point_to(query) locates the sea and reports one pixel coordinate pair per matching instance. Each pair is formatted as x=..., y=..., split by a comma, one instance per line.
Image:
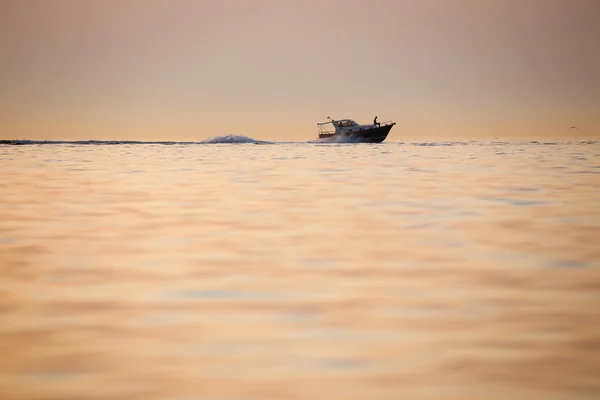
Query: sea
x=242, y=269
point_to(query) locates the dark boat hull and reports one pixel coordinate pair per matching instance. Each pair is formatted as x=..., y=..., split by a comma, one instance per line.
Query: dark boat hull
x=373, y=135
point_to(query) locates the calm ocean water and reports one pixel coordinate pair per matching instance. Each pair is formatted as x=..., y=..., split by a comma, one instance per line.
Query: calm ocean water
x=263, y=270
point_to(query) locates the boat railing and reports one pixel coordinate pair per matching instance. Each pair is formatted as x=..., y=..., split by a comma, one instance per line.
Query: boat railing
x=324, y=129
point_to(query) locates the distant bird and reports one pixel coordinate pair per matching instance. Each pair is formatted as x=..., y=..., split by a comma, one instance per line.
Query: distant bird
x=573, y=127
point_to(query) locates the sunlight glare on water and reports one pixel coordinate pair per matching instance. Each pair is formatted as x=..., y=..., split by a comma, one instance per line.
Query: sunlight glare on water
x=263, y=270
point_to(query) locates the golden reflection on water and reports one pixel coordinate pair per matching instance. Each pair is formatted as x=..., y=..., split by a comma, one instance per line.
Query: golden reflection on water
x=297, y=271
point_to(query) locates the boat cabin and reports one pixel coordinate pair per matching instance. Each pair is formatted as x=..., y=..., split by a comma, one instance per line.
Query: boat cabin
x=341, y=126
x=344, y=123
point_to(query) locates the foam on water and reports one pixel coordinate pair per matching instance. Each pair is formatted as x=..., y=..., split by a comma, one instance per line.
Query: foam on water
x=234, y=139
x=227, y=139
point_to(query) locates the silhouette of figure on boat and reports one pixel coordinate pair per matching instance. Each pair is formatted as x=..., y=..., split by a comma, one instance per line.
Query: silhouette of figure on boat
x=375, y=122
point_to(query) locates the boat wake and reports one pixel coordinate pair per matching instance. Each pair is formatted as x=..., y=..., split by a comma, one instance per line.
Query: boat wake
x=233, y=139
x=227, y=139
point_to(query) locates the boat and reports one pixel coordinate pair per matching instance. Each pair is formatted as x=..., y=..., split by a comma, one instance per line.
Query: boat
x=347, y=128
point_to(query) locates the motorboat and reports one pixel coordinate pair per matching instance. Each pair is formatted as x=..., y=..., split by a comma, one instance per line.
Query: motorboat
x=347, y=128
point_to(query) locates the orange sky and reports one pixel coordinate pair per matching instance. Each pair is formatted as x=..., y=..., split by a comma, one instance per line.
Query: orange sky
x=190, y=70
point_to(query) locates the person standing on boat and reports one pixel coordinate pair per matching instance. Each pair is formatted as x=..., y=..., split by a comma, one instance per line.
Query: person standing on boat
x=375, y=122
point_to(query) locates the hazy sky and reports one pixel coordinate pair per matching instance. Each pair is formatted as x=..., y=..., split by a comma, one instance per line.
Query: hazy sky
x=190, y=70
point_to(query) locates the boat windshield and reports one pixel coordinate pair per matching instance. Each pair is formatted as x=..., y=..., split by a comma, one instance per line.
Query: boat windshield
x=345, y=122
